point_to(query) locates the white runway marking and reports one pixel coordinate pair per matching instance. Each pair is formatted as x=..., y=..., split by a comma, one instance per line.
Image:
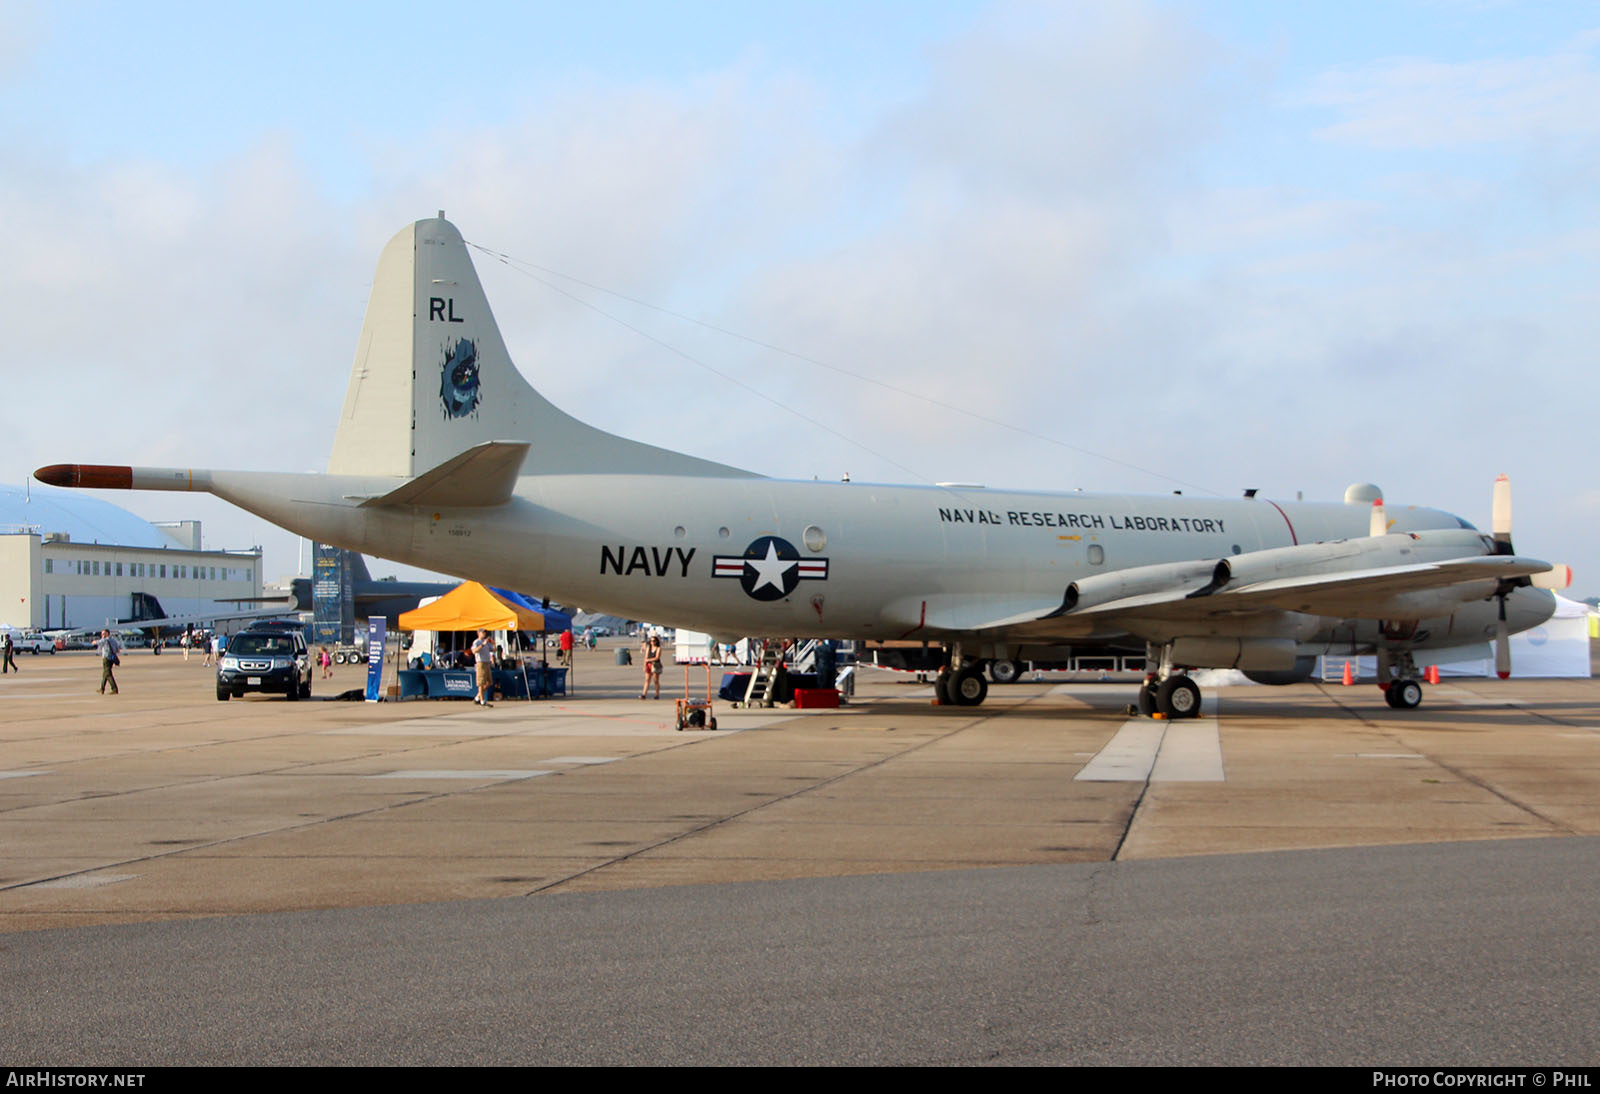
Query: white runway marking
x=496, y=776
x=1127, y=757
x=582, y=759
x=22, y=774
x=1191, y=752
x=83, y=881
x=1161, y=751
x=1451, y=694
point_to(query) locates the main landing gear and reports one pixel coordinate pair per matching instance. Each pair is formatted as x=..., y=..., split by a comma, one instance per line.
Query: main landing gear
x=1167, y=692
x=965, y=687
x=1175, y=697
x=962, y=686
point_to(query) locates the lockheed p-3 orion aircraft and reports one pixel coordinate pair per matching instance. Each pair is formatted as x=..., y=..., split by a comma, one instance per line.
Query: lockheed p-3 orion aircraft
x=446, y=458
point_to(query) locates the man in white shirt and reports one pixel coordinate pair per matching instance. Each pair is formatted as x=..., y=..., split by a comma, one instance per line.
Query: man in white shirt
x=483, y=655
x=110, y=656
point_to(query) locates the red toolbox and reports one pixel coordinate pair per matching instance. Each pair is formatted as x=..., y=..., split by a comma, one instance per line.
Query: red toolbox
x=815, y=698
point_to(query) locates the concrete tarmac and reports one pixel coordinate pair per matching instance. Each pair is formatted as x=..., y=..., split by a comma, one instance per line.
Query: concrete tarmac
x=163, y=804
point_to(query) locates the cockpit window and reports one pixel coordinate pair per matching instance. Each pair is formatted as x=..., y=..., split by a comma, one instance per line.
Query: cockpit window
x=1467, y=524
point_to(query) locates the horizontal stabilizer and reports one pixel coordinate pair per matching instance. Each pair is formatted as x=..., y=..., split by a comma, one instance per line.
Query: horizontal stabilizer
x=482, y=476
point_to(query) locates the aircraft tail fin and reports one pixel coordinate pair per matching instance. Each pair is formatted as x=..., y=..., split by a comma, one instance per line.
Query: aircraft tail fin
x=432, y=378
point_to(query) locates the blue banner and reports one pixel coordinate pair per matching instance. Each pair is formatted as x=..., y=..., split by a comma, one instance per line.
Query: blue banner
x=376, y=633
x=332, y=605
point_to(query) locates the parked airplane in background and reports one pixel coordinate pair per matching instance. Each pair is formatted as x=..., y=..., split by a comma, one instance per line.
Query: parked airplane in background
x=387, y=598
x=446, y=458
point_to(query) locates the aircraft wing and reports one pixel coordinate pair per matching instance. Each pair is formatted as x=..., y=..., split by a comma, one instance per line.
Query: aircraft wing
x=273, y=607
x=1404, y=576
x=1360, y=594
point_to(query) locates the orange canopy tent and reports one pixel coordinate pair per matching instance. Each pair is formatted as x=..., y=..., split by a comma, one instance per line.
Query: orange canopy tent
x=470, y=607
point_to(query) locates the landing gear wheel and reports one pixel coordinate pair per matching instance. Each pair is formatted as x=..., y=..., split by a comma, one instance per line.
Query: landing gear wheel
x=1147, y=700
x=941, y=689
x=1178, y=697
x=1403, y=695
x=969, y=688
x=1005, y=672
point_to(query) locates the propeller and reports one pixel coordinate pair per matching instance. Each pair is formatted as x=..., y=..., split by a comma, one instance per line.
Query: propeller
x=1500, y=521
x=1557, y=577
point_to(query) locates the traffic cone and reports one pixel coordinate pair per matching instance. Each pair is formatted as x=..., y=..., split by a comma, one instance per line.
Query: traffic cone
x=1433, y=674
x=1349, y=675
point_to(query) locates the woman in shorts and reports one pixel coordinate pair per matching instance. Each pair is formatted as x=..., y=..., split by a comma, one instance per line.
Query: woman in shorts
x=652, y=664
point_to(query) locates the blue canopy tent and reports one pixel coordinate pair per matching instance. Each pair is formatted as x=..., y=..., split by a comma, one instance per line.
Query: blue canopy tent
x=555, y=620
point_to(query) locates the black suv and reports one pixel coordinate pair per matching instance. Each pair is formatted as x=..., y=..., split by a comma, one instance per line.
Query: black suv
x=265, y=660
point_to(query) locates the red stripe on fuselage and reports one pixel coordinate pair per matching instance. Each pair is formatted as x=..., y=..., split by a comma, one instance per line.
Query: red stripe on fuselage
x=1294, y=538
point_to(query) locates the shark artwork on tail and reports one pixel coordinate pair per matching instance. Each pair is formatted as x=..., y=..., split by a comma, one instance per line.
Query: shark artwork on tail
x=446, y=458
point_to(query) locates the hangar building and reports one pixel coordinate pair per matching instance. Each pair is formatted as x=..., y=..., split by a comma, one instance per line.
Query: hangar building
x=68, y=560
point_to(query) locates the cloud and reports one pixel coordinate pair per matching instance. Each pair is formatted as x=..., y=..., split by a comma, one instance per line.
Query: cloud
x=1416, y=102
x=20, y=28
x=1095, y=222
x=1047, y=102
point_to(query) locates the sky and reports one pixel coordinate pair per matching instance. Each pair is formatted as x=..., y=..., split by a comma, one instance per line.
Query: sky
x=1132, y=247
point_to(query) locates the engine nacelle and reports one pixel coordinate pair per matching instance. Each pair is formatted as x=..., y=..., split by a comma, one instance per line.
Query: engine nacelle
x=1088, y=592
x=1345, y=556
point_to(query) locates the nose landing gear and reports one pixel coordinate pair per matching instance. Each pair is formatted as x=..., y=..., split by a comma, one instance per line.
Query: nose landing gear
x=1397, y=676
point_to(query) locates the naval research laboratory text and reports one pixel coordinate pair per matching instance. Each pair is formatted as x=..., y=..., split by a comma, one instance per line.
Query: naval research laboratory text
x=1123, y=523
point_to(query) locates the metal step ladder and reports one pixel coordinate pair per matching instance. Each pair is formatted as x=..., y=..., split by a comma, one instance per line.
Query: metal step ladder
x=803, y=656
x=1330, y=668
x=765, y=677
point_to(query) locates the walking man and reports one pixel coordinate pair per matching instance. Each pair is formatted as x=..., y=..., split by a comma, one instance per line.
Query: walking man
x=10, y=663
x=110, y=657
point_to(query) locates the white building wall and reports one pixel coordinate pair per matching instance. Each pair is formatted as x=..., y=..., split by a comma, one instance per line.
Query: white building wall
x=87, y=584
x=21, y=585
